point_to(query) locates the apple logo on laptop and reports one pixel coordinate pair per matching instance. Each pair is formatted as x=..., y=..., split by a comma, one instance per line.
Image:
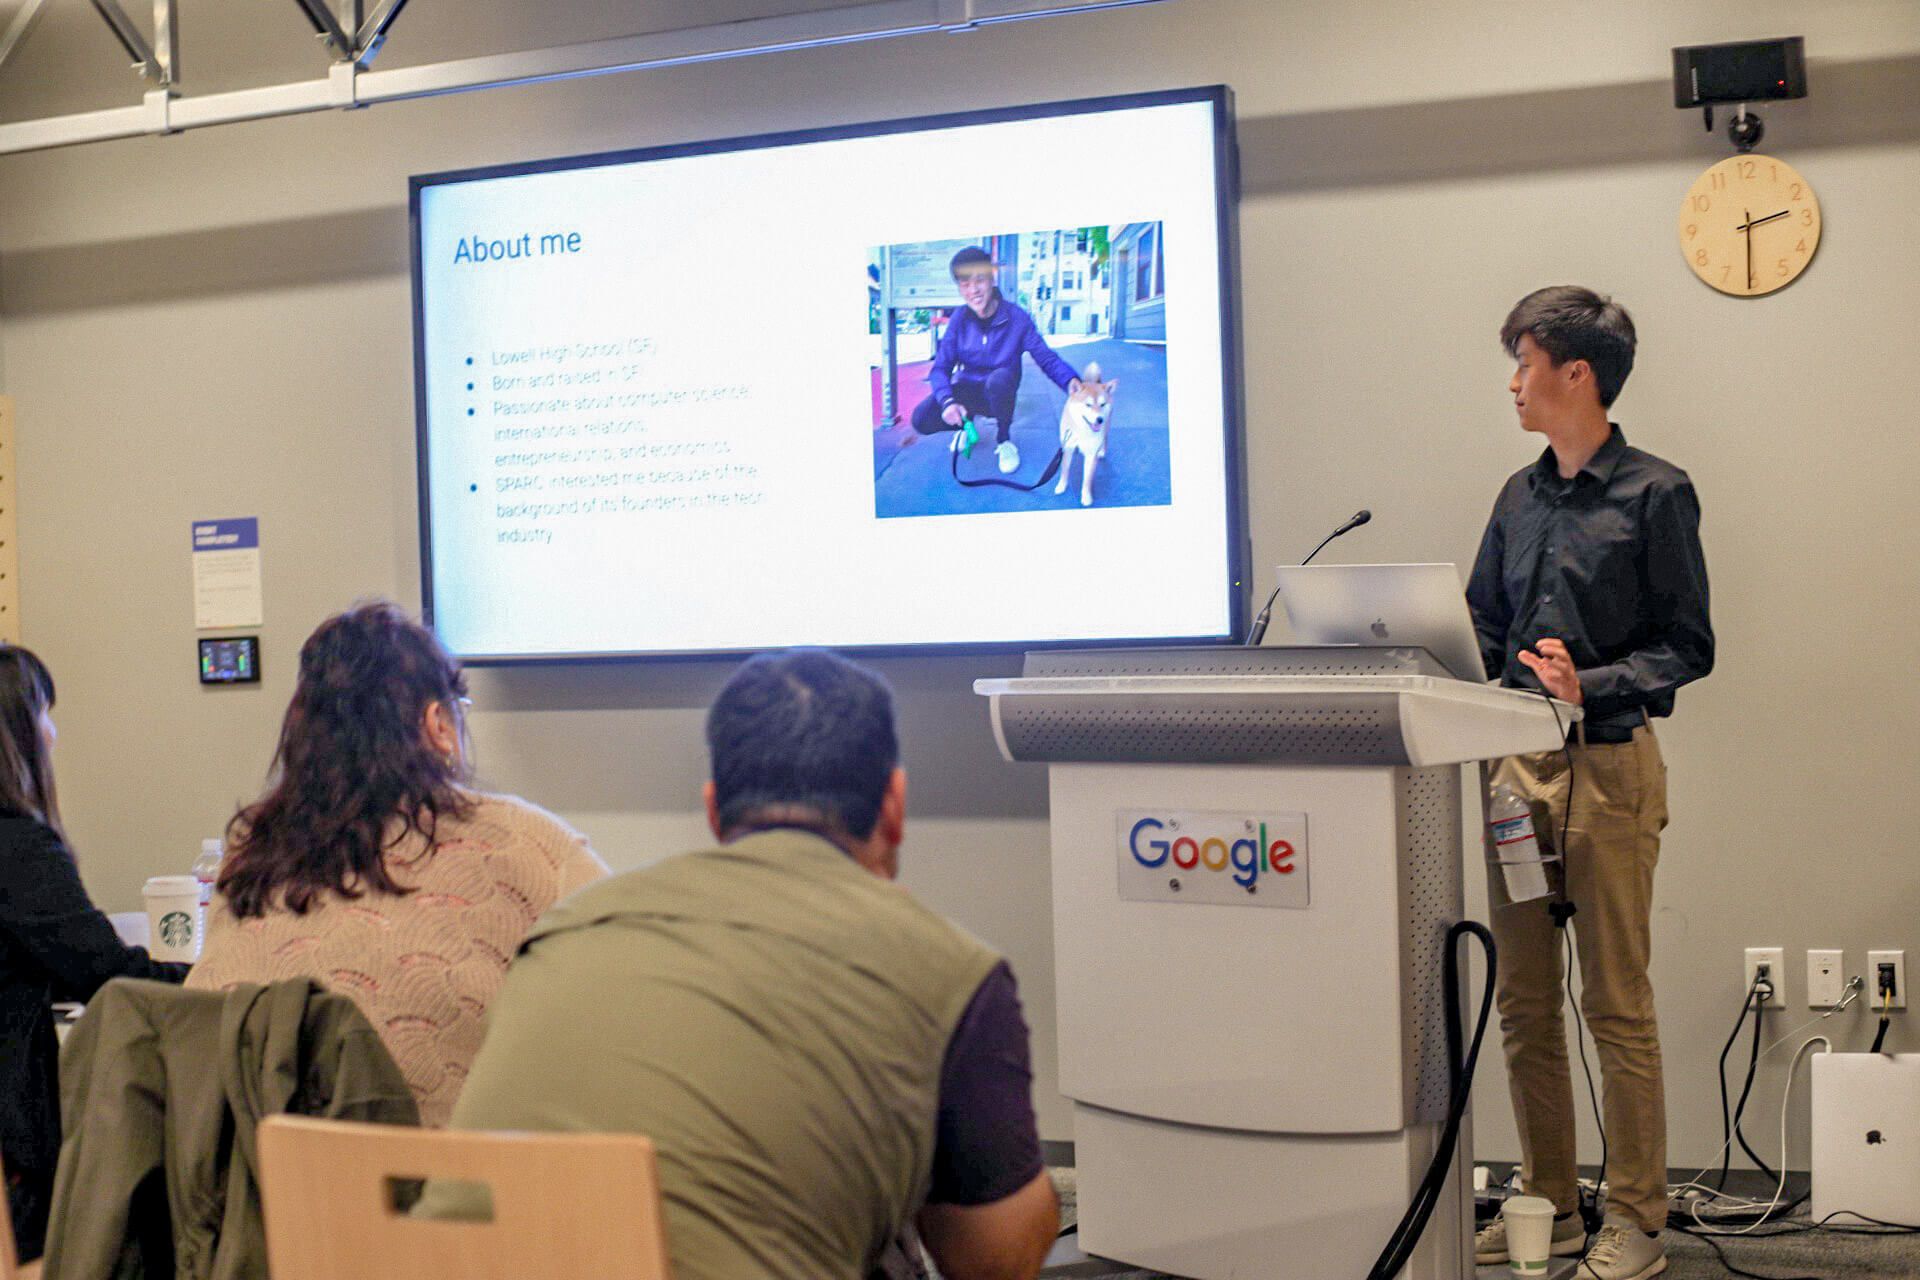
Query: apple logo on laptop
x=1380, y=628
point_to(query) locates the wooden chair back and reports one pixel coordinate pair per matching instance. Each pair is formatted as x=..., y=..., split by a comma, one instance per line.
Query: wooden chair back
x=565, y=1205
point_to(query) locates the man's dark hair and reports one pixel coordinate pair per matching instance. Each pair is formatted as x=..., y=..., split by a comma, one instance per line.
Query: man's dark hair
x=1571, y=323
x=802, y=738
x=971, y=256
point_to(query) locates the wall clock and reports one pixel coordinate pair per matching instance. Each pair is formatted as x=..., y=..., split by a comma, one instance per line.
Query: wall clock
x=1749, y=225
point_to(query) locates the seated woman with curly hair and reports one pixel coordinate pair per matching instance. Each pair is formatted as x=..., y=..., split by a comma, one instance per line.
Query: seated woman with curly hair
x=372, y=866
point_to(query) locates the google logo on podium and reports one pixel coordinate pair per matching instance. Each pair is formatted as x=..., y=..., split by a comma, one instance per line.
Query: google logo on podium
x=1224, y=858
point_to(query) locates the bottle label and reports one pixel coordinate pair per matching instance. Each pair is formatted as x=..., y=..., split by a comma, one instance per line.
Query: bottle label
x=1512, y=830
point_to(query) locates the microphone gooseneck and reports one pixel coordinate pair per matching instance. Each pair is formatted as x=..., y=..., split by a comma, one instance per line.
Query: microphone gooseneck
x=1258, y=631
x=1353, y=522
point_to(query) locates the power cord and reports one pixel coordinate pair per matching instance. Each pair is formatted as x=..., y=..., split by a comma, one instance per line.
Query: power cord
x=1701, y=1231
x=1777, y=1204
x=1762, y=992
x=1852, y=992
x=1726, y=1262
x=1726, y=1124
x=1880, y=1228
x=1590, y=1209
x=1406, y=1235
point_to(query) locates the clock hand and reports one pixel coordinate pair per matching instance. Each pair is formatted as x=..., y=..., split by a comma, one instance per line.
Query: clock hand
x=1757, y=222
x=1747, y=227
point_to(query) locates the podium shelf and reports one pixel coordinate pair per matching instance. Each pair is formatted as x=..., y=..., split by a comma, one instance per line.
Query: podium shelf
x=1368, y=719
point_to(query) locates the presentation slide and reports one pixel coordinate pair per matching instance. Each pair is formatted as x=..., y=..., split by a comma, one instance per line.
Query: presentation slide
x=959, y=381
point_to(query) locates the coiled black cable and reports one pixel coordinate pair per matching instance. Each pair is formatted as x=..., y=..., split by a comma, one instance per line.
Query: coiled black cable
x=1406, y=1235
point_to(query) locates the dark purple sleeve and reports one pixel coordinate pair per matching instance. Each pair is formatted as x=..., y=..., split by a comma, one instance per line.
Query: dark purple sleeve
x=1050, y=363
x=987, y=1146
x=946, y=354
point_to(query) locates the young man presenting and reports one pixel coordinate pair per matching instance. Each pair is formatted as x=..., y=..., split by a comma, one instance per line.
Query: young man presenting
x=976, y=367
x=1591, y=585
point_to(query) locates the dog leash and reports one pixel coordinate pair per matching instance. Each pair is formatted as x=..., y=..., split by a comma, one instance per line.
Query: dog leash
x=972, y=437
x=1053, y=469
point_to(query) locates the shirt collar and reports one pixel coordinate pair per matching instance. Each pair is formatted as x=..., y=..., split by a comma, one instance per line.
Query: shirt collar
x=991, y=322
x=1600, y=467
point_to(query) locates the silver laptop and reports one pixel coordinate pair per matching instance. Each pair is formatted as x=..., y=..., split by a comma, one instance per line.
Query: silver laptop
x=1866, y=1132
x=1400, y=606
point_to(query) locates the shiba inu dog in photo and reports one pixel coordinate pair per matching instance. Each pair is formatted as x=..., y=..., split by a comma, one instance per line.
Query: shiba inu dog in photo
x=1084, y=423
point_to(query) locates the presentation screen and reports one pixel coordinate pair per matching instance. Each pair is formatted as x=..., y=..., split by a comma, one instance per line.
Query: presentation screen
x=954, y=381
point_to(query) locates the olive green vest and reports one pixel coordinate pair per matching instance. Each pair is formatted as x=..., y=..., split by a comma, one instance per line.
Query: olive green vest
x=773, y=1016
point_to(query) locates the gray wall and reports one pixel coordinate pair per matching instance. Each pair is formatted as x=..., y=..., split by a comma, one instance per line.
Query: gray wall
x=218, y=324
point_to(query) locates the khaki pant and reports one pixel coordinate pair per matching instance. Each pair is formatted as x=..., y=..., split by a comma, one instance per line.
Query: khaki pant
x=1613, y=843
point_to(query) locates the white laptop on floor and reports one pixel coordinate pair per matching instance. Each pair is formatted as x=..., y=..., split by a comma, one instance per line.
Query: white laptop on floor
x=1866, y=1137
x=1399, y=606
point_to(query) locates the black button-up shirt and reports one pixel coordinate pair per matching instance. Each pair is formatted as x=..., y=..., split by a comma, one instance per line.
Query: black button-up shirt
x=1609, y=563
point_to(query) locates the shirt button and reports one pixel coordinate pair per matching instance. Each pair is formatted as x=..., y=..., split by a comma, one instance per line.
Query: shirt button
x=1546, y=599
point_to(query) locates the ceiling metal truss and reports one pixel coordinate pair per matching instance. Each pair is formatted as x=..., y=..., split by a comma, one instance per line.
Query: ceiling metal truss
x=352, y=39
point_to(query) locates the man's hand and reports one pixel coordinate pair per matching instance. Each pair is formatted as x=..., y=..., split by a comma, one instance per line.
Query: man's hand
x=1554, y=666
x=953, y=415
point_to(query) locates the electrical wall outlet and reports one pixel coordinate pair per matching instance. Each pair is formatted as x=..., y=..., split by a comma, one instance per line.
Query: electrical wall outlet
x=1774, y=961
x=1894, y=964
x=1826, y=980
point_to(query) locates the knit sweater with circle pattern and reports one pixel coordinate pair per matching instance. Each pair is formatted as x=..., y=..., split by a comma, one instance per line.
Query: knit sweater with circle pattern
x=422, y=966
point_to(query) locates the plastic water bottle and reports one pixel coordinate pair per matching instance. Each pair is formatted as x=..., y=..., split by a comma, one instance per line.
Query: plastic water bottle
x=206, y=870
x=1516, y=847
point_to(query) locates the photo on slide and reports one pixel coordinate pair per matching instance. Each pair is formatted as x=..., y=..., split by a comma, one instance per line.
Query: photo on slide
x=992, y=356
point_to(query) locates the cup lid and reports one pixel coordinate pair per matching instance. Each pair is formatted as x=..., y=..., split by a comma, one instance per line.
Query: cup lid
x=1527, y=1206
x=158, y=885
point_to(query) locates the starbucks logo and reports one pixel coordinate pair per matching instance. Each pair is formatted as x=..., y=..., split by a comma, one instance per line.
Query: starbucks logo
x=176, y=929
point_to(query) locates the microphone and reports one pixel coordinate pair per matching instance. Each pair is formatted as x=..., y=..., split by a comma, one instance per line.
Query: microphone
x=1258, y=632
x=1353, y=522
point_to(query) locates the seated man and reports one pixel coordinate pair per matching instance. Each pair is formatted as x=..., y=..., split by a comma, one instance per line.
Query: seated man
x=976, y=367
x=816, y=1056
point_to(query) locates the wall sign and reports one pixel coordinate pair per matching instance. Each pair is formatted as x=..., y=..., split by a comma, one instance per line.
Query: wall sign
x=226, y=573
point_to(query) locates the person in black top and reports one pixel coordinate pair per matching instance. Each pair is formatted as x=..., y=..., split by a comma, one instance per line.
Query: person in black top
x=1590, y=585
x=54, y=944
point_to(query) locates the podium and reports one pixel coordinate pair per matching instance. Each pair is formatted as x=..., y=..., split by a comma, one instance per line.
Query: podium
x=1256, y=856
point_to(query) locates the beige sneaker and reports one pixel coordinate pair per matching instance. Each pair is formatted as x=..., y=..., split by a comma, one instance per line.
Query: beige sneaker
x=1622, y=1251
x=1490, y=1242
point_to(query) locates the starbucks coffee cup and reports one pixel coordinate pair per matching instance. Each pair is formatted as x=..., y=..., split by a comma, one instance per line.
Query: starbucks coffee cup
x=1529, y=1222
x=173, y=918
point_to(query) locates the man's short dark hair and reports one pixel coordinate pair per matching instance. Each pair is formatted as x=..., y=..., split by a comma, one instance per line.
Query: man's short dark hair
x=1571, y=323
x=971, y=256
x=802, y=735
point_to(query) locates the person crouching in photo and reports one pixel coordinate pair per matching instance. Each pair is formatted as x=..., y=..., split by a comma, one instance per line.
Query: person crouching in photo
x=976, y=368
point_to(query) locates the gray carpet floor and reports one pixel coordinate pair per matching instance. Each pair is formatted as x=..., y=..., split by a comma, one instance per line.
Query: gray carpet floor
x=1803, y=1255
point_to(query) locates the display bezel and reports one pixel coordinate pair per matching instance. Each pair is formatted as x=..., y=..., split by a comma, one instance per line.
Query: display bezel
x=1226, y=169
x=202, y=644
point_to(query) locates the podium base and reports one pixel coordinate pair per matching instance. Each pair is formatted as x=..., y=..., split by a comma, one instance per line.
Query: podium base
x=1222, y=1204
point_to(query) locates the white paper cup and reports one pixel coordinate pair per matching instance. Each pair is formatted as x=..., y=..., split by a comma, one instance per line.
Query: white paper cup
x=173, y=918
x=1529, y=1222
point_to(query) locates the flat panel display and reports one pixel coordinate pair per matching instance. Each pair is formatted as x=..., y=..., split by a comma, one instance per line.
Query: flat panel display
x=945, y=382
